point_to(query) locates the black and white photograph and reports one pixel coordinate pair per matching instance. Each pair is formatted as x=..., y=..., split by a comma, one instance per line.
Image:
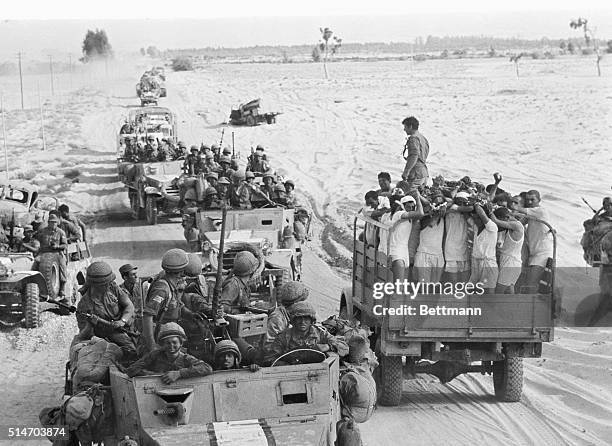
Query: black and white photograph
x=324, y=223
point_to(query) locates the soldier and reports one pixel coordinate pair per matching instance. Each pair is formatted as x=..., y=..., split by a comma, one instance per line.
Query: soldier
x=223, y=190
x=132, y=286
x=211, y=200
x=225, y=169
x=257, y=163
x=212, y=178
x=163, y=303
x=73, y=233
x=245, y=191
x=236, y=293
x=216, y=151
x=64, y=211
x=150, y=149
x=279, y=195
x=169, y=360
x=236, y=180
x=126, y=128
x=28, y=243
x=53, y=241
x=228, y=357
x=196, y=298
x=181, y=150
x=268, y=185
x=290, y=194
x=193, y=162
x=303, y=333
x=104, y=299
x=287, y=295
x=209, y=163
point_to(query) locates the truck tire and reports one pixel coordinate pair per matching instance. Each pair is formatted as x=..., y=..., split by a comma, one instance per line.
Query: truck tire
x=151, y=210
x=49, y=268
x=392, y=379
x=31, y=300
x=508, y=379
x=250, y=120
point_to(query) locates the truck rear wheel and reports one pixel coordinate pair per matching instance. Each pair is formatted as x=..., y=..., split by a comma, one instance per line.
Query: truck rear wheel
x=151, y=210
x=31, y=300
x=508, y=379
x=392, y=379
x=250, y=120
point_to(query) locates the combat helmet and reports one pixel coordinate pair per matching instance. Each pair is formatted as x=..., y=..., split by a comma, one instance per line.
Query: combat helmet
x=225, y=346
x=175, y=260
x=194, y=267
x=292, y=292
x=171, y=329
x=303, y=309
x=245, y=264
x=100, y=273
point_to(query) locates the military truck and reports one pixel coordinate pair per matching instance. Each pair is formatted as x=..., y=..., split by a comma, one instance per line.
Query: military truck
x=484, y=333
x=21, y=204
x=152, y=186
x=262, y=229
x=286, y=405
x=248, y=114
x=24, y=292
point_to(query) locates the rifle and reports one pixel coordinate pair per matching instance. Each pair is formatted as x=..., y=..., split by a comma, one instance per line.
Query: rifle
x=588, y=204
x=221, y=140
x=219, y=320
x=95, y=320
x=11, y=236
x=233, y=148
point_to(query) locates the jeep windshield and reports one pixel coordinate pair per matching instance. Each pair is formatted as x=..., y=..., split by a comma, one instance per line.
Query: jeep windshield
x=11, y=194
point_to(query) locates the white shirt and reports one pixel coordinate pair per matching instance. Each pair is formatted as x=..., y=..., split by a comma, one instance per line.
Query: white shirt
x=455, y=247
x=539, y=238
x=485, y=243
x=399, y=235
x=431, y=239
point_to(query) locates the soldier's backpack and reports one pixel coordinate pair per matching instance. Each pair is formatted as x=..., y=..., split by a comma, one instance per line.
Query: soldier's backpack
x=357, y=390
x=91, y=360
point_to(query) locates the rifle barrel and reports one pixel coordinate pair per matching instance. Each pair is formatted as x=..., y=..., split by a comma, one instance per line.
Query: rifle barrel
x=219, y=278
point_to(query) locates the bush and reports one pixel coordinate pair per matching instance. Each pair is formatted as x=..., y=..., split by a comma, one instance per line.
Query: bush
x=587, y=51
x=182, y=64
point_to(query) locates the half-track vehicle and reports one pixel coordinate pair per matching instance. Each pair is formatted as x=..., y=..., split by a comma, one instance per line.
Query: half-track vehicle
x=24, y=292
x=20, y=204
x=485, y=333
x=152, y=186
x=248, y=114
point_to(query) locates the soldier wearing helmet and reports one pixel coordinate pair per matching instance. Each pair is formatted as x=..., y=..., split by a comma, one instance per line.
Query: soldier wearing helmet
x=257, y=161
x=228, y=357
x=193, y=162
x=303, y=333
x=278, y=195
x=28, y=243
x=287, y=295
x=223, y=190
x=236, y=293
x=110, y=306
x=132, y=286
x=290, y=194
x=216, y=151
x=225, y=169
x=163, y=303
x=210, y=164
x=212, y=178
x=53, y=242
x=245, y=191
x=170, y=361
x=267, y=188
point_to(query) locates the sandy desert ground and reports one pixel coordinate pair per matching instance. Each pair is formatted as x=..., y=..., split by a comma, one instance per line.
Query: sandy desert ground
x=548, y=130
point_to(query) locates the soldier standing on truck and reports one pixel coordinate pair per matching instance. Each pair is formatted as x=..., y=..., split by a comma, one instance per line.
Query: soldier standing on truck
x=236, y=293
x=53, y=241
x=64, y=211
x=163, y=303
x=73, y=233
x=417, y=146
x=257, y=162
x=132, y=286
x=193, y=162
x=104, y=300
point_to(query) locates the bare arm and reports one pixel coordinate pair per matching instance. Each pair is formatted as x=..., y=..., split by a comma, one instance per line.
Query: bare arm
x=481, y=213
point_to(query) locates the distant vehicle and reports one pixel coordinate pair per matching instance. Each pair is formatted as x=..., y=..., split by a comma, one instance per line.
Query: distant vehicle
x=24, y=292
x=159, y=122
x=20, y=204
x=248, y=114
x=510, y=327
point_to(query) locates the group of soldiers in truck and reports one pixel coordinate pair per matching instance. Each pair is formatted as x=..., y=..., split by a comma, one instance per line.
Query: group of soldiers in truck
x=212, y=179
x=160, y=331
x=463, y=230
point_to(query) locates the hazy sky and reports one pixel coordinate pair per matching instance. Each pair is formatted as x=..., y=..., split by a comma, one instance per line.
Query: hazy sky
x=170, y=24
x=163, y=9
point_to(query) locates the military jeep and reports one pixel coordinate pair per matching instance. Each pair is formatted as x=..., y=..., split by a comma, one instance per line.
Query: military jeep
x=25, y=291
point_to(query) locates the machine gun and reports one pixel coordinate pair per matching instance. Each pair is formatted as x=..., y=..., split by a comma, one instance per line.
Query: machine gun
x=65, y=309
x=217, y=314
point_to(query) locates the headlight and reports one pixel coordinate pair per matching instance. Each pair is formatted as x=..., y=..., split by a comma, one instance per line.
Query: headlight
x=206, y=246
x=266, y=247
x=4, y=271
